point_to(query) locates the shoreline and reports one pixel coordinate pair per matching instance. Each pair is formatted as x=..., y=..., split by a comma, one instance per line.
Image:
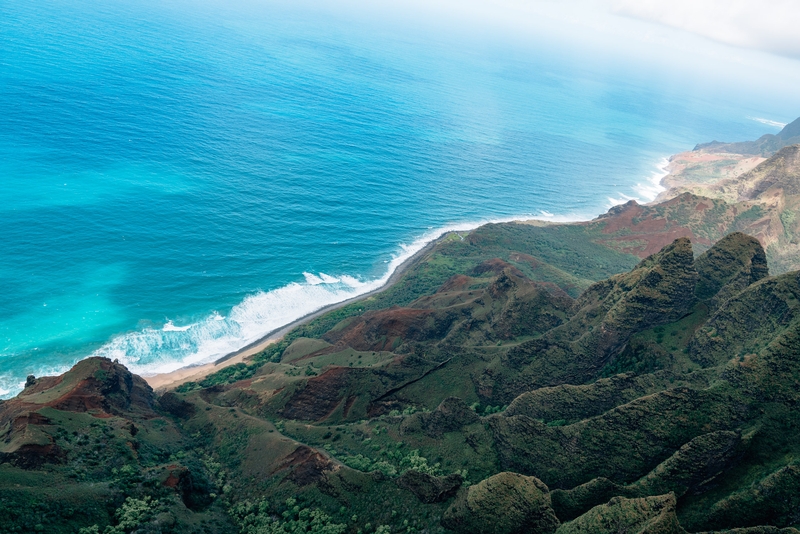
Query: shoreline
x=698, y=171
x=193, y=372
x=172, y=379
x=161, y=382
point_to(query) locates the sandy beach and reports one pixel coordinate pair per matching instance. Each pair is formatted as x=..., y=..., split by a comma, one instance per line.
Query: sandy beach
x=695, y=171
x=711, y=167
x=166, y=381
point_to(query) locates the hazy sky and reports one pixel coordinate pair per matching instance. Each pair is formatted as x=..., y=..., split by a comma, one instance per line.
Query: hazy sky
x=726, y=43
x=767, y=25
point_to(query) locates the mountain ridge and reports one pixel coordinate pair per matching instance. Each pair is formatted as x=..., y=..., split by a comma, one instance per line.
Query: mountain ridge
x=765, y=145
x=634, y=373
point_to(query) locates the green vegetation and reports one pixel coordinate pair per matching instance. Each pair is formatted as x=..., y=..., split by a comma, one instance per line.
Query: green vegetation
x=574, y=383
x=395, y=463
x=256, y=518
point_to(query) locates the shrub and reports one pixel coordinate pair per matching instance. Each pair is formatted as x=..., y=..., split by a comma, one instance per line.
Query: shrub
x=254, y=518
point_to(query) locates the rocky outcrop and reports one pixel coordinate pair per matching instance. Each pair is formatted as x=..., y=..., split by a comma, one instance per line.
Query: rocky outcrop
x=452, y=414
x=96, y=386
x=648, y=515
x=747, y=322
x=428, y=488
x=571, y=403
x=569, y=504
x=659, y=290
x=621, y=444
x=692, y=467
x=727, y=268
x=506, y=503
x=774, y=500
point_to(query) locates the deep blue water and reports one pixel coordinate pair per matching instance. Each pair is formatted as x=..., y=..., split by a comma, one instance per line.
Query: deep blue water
x=167, y=165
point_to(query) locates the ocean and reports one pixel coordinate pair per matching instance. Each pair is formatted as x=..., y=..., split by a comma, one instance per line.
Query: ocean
x=177, y=180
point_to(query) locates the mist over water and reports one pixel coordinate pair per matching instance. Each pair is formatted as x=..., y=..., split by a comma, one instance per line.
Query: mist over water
x=176, y=181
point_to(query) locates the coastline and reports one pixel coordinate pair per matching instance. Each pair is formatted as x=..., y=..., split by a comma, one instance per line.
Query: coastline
x=692, y=170
x=699, y=171
x=169, y=380
x=672, y=182
x=172, y=379
x=193, y=372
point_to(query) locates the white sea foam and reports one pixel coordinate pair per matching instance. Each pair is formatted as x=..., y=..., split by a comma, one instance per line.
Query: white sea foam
x=170, y=347
x=652, y=187
x=152, y=351
x=161, y=350
x=623, y=198
x=768, y=122
x=10, y=385
x=646, y=191
x=170, y=327
x=312, y=279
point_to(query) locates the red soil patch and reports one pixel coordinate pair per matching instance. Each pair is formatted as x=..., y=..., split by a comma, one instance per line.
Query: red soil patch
x=653, y=242
x=530, y=260
x=42, y=384
x=496, y=266
x=379, y=331
x=320, y=396
x=455, y=283
x=306, y=466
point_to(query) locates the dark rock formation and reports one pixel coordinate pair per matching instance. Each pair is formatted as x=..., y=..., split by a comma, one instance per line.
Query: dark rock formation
x=648, y=515
x=659, y=290
x=430, y=489
x=174, y=405
x=452, y=414
x=727, y=268
x=692, y=466
x=506, y=503
x=748, y=321
x=95, y=385
x=774, y=500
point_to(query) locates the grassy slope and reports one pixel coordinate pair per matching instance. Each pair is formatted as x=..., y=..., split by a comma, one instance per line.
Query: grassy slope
x=678, y=396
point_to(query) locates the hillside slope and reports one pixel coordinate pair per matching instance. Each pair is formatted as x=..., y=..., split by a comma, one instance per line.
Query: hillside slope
x=635, y=373
x=662, y=397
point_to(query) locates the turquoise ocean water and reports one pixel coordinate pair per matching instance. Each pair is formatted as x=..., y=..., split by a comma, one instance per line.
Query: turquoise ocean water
x=177, y=180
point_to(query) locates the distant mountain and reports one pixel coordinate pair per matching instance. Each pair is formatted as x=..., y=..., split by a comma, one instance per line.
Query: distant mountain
x=763, y=202
x=766, y=145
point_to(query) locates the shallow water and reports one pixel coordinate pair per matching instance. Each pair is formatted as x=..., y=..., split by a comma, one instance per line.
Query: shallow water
x=175, y=182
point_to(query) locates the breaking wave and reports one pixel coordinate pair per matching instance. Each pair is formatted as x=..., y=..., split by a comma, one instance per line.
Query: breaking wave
x=170, y=347
x=648, y=190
